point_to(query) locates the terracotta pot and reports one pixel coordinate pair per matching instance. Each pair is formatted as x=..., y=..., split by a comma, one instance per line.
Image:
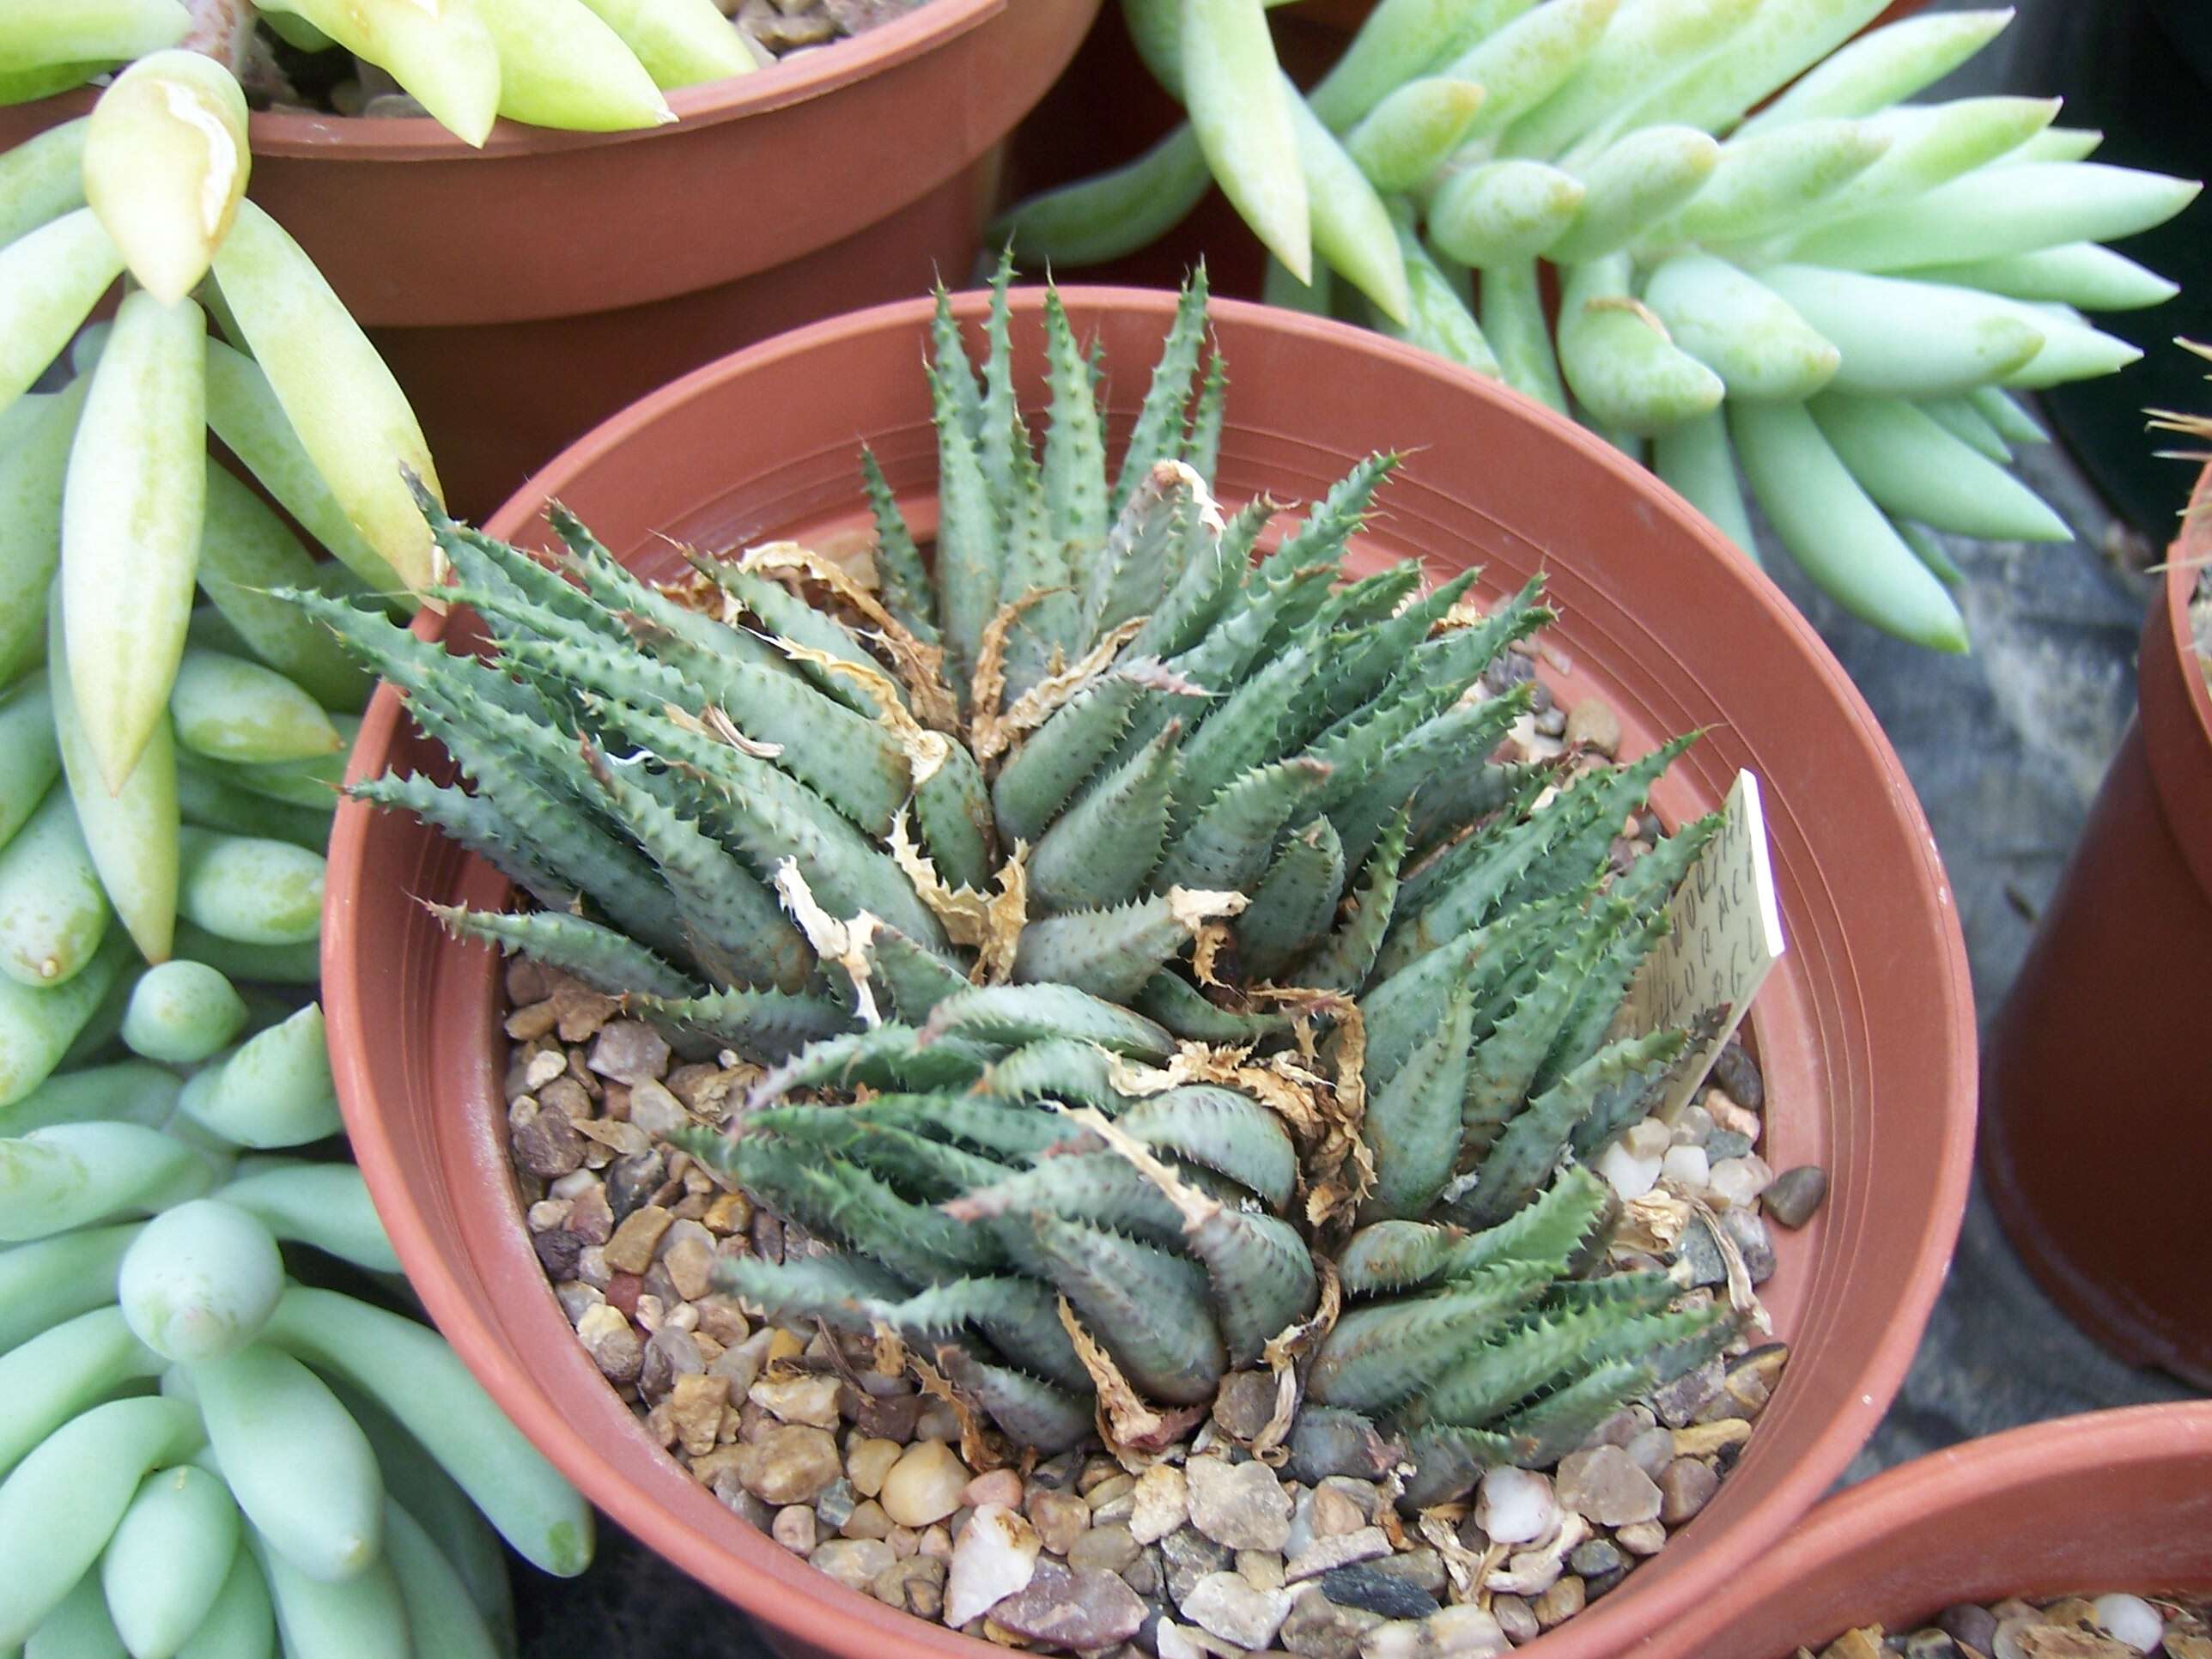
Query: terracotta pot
x=1107, y=110
x=1865, y=1030
x=524, y=291
x=2110, y=1501
x=2098, y=1142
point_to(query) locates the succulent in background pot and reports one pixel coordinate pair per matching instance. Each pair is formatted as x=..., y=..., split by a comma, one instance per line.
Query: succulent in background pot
x=524, y=289
x=857, y=377
x=2118, y=1501
x=2104, y=1011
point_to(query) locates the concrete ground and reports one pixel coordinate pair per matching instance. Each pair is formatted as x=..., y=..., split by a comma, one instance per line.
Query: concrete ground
x=2006, y=747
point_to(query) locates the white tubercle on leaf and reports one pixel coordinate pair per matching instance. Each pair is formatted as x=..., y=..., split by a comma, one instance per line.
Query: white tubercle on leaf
x=166, y=165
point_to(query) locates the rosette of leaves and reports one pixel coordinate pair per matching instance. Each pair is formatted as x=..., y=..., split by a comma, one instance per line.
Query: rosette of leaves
x=1155, y=978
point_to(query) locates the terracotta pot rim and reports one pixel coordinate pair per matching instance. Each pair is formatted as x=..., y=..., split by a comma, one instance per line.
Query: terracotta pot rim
x=2013, y=1467
x=419, y=138
x=842, y=1621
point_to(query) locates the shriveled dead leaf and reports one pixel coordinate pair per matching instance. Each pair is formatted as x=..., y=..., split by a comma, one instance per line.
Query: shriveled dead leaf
x=845, y=942
x=995, y=734
x=989, y=924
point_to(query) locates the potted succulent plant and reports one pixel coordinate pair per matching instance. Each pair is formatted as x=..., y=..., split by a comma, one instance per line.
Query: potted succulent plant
x=438, y=1053
x=1834, y=290
x=524, y=281
x=2101, y=1227
x=2111, y=1511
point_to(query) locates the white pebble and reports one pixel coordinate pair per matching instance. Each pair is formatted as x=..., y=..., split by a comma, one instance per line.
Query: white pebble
x=1515, y=1506
x=1738, y=1181
x=1691, y=1127
x=1629, y=1175
x=996, y=1556
x=2131, y=1619
x=1685, y=1167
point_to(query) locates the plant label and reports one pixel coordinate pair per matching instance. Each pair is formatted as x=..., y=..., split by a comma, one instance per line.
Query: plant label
x=1726, y=937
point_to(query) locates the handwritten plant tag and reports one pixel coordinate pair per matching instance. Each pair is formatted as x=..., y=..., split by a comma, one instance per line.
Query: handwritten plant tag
x=1726, y=937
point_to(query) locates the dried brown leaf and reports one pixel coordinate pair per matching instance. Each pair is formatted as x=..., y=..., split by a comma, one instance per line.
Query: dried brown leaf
x=995, y=734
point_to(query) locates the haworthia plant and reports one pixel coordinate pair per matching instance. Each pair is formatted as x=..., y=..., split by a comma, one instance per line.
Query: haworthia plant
x=1185, y=940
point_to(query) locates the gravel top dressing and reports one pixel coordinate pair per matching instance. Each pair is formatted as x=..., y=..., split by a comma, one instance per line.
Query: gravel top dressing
x=2116, y=1626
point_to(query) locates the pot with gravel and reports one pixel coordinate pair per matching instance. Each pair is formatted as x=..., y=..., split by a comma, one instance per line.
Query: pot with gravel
x=525, y=282
x=2089, y=1536
x=1134, y=1287
x=2105, y=1006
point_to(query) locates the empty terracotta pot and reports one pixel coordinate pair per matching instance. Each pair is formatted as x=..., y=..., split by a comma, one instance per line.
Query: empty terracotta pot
x=2097, y=1137
x=2109, y=1501
x=1865, y=1030
x=526, y=291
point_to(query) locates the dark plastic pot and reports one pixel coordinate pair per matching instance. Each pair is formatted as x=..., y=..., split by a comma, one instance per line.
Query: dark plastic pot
x=2097, y=1125
x=1865, y=1030
x=2110, y=1501
x=527, y=290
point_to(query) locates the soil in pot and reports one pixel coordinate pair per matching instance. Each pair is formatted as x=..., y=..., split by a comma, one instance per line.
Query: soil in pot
x=1212, y=1112
x=809, y=489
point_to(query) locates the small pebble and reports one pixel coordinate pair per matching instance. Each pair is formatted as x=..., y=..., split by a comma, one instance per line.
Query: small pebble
x=630, y=1051
x=1109, y=1548
x=1792, y=1197
x=925, y=1485
x=1001, y=1486
x=1241, y=1505
x=1685, y=1167
x=1686, y=1486
x=1727, y=1142
x=1515, y=1506
x=853, y=1562
x=1559, y=1603
x=1162, y=1504
x=1629, y=1175
x=1737, y=1180
x=1515, y=1617
x=1736, y=1071
x=1592, y=722
x=1335, y=1512
x=1225, y=1604
x=1753, y=1243
x=792, y=1464
x=1969, y=1625
x=1245, y=1403
x=794, y=1528
x=1317, y=1628
x=995, y=1556
x=1643, y=1537
x=810, y=1399
x=868, y=1459
x=2131, y=1619
x=1058, y=1518
x=1339, y=1550
x=1261, y=1568
x=1186, y=1555
x=1605, y=1485
x=1064, y=1609
x=1366, y=1585
x=867, y=1520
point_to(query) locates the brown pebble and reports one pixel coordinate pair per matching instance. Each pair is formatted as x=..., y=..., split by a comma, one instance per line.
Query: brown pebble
x=730, y=1212
x=1559, y=1603
x=1642, y=1538
x=527, y=980
x=999, y=1486
x=868, y=1460
x=794, y=1528
x=1058, y=1518
x=1108, y=1548
x=1515, y=1617
x=548, y=1146
x=1686, y=1486
x=1592, y=722
x=630, y=1250
x=792, y=1463
x=1335, y=1514
x=867, y=1520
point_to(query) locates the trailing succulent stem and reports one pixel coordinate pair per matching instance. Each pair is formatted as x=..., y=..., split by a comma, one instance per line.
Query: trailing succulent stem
x=1186, y=993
